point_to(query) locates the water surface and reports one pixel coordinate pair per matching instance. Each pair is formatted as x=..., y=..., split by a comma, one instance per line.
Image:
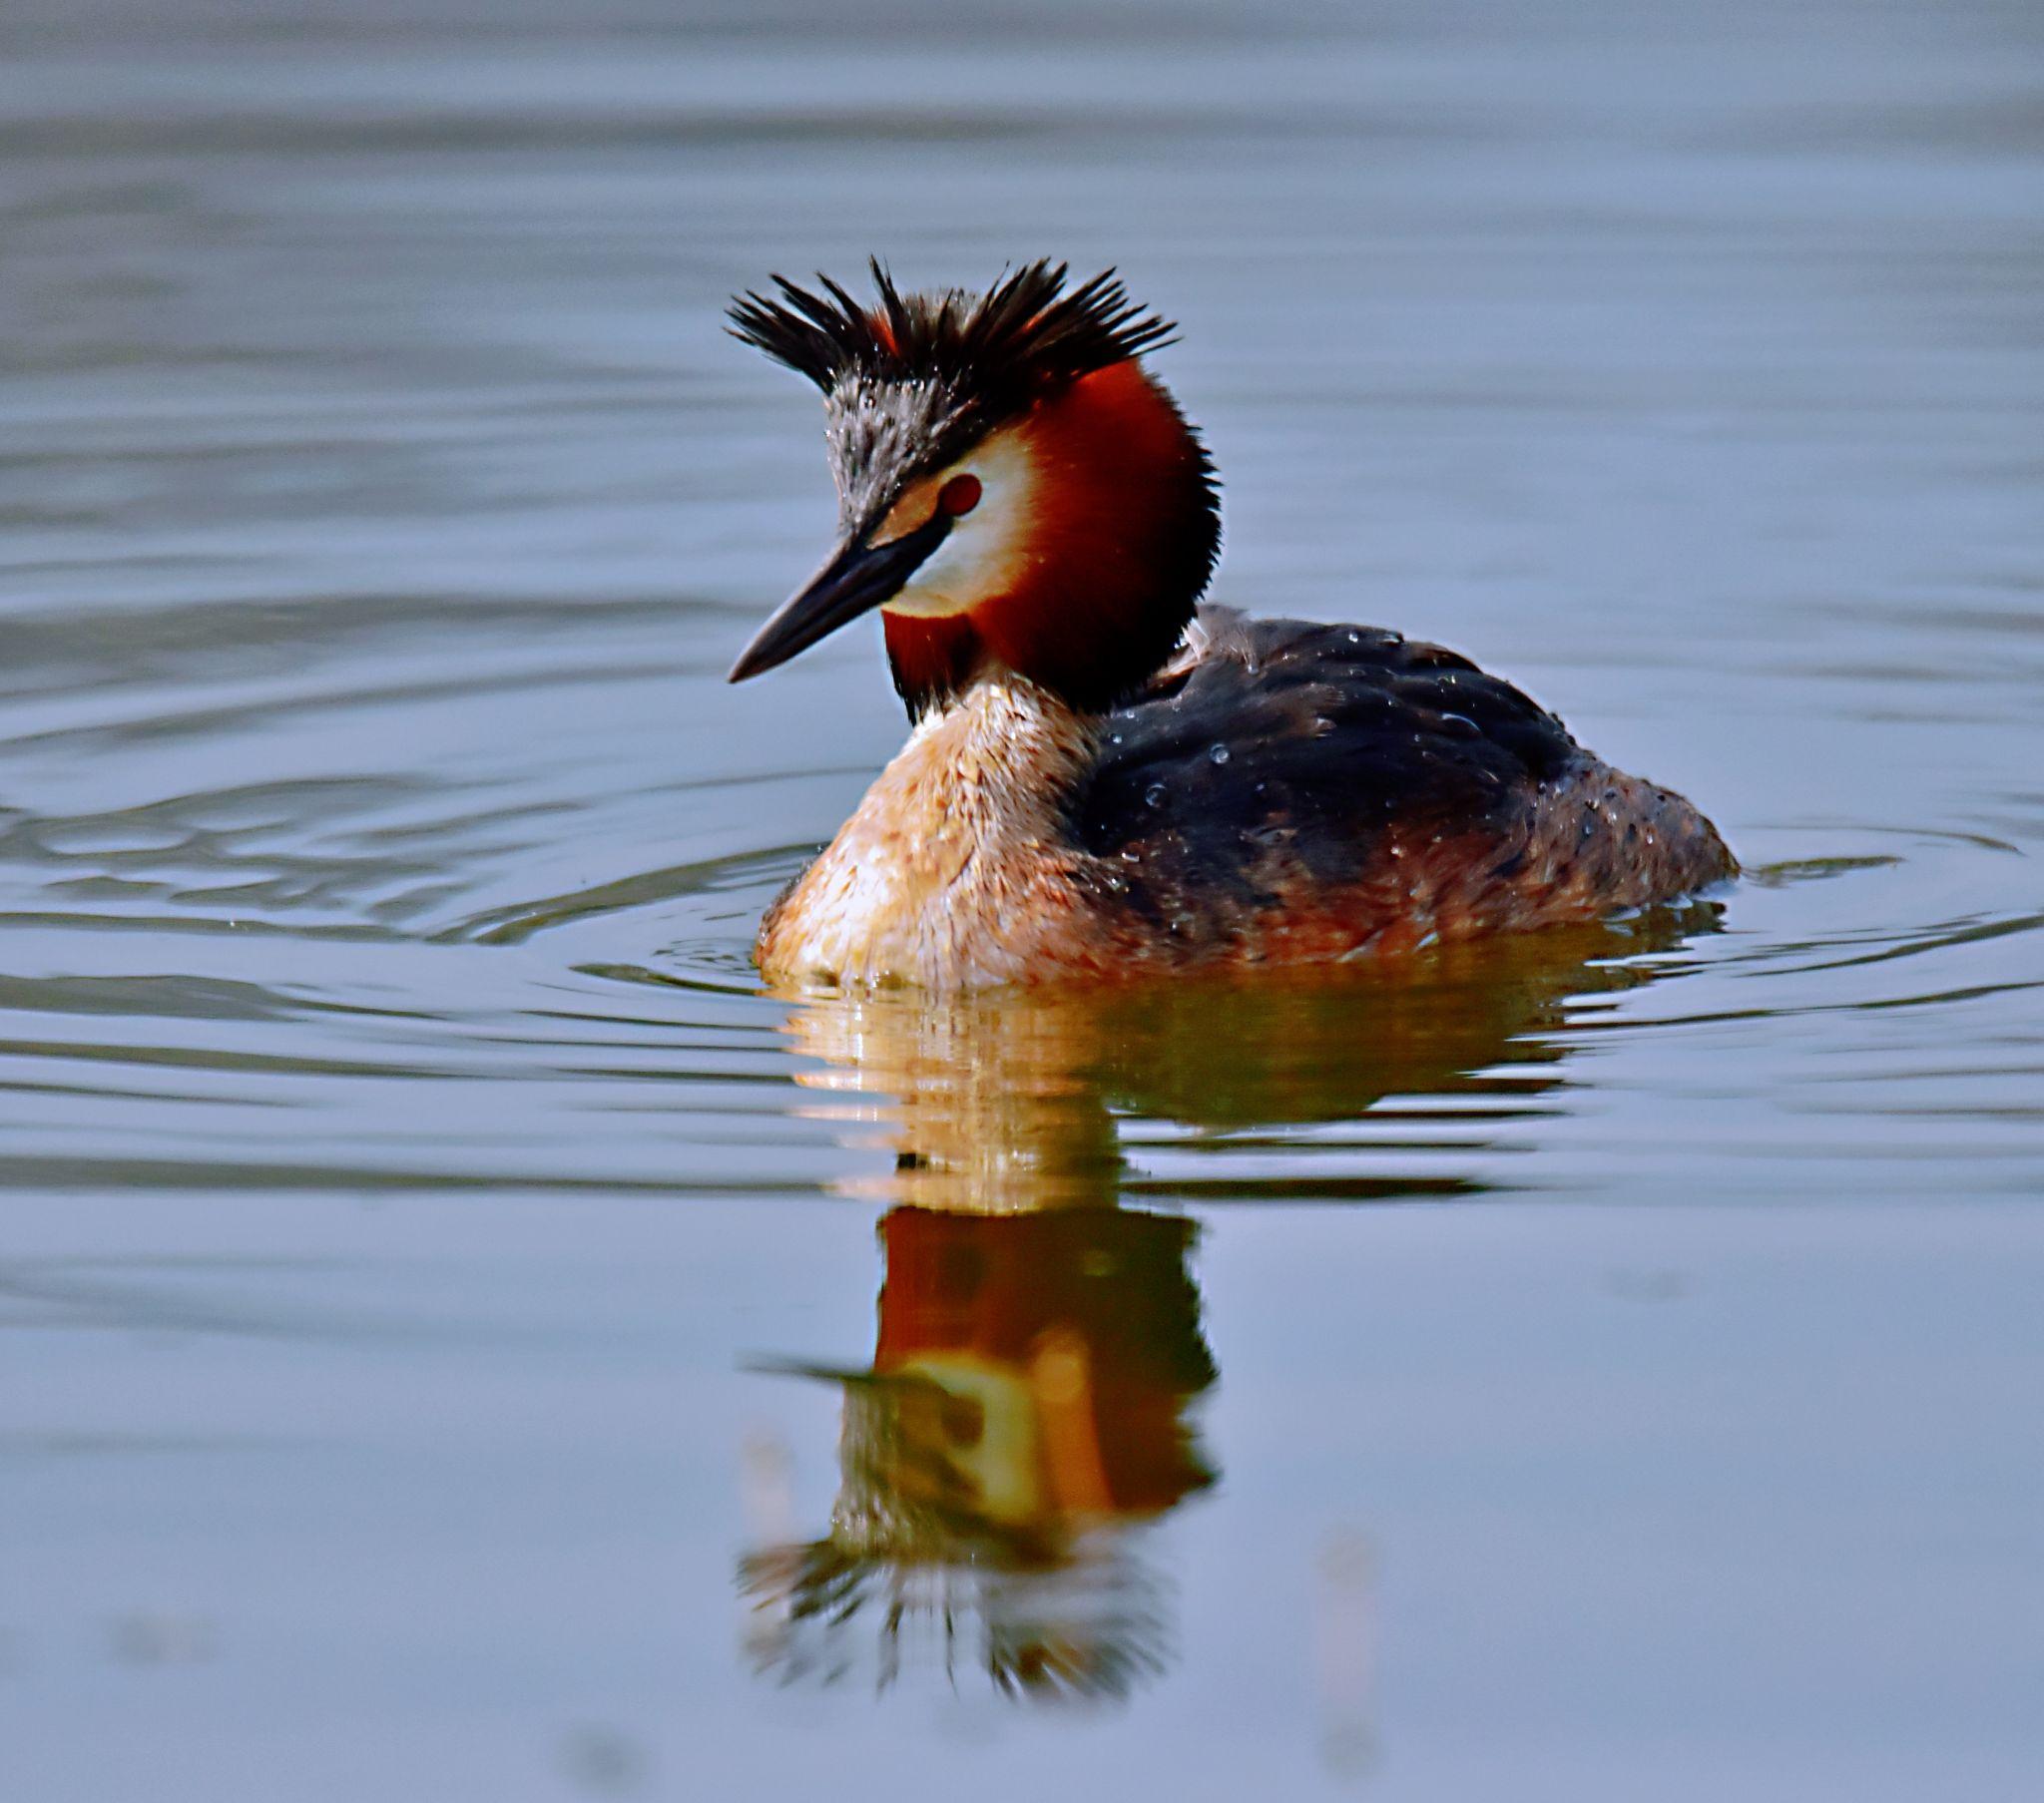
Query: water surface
x=458, y=1337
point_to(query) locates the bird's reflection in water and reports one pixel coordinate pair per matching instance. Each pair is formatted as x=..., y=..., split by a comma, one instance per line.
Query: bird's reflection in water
x=1024, y=1413
x=1025, y=1416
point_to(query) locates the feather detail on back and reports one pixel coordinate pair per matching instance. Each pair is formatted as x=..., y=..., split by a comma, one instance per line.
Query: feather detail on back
x=1295, y=790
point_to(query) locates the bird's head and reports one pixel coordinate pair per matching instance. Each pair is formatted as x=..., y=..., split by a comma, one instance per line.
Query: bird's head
x=1016, y=492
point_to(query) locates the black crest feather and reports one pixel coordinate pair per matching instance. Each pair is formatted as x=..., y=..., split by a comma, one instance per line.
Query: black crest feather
x=995, y=350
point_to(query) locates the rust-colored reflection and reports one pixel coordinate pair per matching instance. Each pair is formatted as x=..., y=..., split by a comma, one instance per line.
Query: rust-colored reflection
x=1025, y=1416
x=1025, y=1413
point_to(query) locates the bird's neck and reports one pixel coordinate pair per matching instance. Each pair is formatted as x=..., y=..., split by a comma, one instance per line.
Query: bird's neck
x=1002, y=753
x=954, y=865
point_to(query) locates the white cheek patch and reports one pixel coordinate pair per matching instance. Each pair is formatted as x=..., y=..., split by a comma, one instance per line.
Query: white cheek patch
x=984, y=552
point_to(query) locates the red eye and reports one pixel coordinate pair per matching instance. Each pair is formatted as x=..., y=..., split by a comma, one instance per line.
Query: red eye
x=959, y=496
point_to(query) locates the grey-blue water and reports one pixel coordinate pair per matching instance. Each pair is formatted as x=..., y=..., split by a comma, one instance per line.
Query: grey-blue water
x=443, y=1351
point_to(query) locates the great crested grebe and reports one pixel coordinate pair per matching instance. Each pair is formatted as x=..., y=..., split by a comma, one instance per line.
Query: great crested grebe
x=1103, y=777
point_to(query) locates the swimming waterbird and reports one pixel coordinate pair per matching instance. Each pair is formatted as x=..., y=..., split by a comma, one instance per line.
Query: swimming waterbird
x=1103, y=777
